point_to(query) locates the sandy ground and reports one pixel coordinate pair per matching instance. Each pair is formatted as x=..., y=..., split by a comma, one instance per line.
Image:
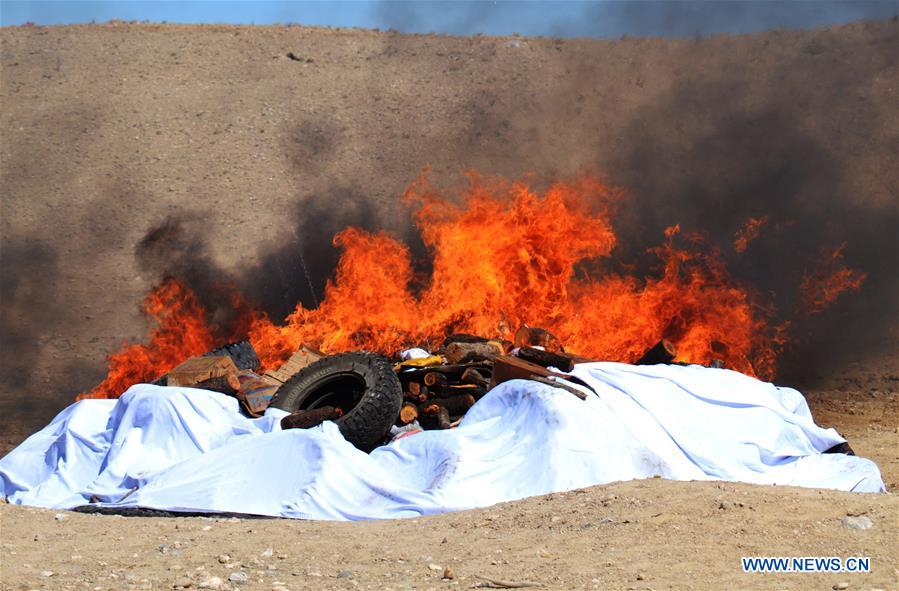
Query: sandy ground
x=649, y=534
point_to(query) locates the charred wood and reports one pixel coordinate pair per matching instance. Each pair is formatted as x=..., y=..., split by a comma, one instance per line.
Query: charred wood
x=531, y=336
x=434, y=380
x=305, y=419
x=474, y=377
x=662, y=352
x=455, y=405
x=434, y=416
x=561, y=360
x=463, y=337
x=456, y=353
x=512, y=368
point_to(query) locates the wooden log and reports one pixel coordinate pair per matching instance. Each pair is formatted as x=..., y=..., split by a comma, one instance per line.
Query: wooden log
x=559, y=385
x=450, y=371
x=662, y=352
x=436, y=417
x=474, y=377
x=408, y=413
x=199, y=369
x=304, y=419
x=228, y=384
x=428, y=408
x=546, y=358
x=458, y=390
x=541, y=356
x=531, y=336
x=454, y=405
x=463, y=337
x=469, y=352
x=434, y=379
x=443, y=419
x=414, y=388
x=508, y=368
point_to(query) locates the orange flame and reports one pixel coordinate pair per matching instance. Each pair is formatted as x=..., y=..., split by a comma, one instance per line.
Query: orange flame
x=749, y=232
x=505, y=256
x=829, y=279
x=182, y=332
x=502, y=255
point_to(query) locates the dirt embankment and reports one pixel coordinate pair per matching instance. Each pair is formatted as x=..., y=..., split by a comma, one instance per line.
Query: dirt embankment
x=262, y=141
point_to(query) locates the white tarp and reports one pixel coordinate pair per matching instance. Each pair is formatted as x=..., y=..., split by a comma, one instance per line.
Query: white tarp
x=183, y=449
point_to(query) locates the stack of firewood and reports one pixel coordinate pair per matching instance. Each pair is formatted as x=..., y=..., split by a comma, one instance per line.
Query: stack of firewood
x=439, y=395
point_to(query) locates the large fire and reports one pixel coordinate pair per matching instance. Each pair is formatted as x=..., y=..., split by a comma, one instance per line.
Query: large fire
x=502, y=255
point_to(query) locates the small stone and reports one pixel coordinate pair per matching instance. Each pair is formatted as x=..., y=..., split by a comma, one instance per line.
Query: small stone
x=842, y=585
x=857, y=522
x=345, y=574
x=207, y=527
x=435, y=567
x=163, y=549
x=47, y=573
x=279, y=588
x=211, y=583
x=239, y=577
x=640, y=576
x=448, y=574
x=267, y=553
x=182, y=583
x=224, y=559
x=59, y=516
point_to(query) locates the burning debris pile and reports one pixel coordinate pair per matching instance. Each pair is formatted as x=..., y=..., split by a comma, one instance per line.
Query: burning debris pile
x=372, y=397
x=501, y=256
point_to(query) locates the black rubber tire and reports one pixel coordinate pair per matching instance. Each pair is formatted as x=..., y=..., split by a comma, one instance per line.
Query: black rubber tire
x=243, y=354
x=362, y=384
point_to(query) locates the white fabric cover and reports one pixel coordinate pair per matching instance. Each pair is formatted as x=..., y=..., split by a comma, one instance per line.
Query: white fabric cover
x=182, y=449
